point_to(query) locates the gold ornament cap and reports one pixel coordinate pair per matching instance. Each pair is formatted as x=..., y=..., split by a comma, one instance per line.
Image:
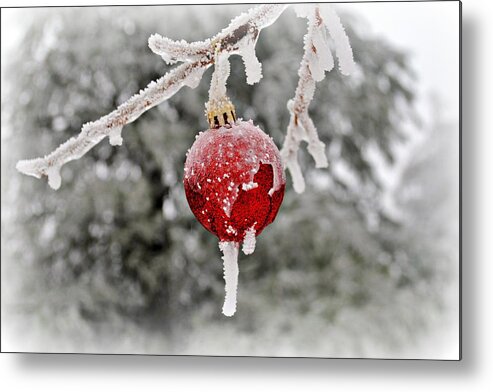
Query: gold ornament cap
x=220, y=112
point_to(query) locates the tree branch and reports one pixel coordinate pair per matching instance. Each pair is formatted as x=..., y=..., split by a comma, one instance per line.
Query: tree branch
x=317, y=59
x=239, y=37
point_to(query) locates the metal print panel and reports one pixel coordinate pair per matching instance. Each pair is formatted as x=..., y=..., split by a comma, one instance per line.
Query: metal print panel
x=273, y=180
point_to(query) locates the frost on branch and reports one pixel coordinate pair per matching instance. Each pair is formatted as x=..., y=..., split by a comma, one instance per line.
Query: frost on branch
x=253, y=68
x=231, y=272
x=238, y=38
x=174, y=51
x=111, y=125
x=317, y=59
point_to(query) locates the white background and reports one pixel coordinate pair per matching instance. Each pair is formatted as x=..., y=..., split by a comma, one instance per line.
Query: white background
x=473, y=373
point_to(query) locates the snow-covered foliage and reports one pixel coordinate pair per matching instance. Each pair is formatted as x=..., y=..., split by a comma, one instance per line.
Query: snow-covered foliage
x=238, y=38
x=317, y=59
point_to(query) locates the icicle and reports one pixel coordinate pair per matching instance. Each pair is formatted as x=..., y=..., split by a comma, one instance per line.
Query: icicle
x=343, y=47
x=324, y=56
x=253, y=68
x=297, y=176
x=249, y=240
x=249, y=185
x=54, y=178
x=115, y=136
x=266, y=14
x=231, y=271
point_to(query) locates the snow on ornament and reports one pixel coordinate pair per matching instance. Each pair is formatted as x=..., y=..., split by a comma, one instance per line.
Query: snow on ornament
x=234, y=183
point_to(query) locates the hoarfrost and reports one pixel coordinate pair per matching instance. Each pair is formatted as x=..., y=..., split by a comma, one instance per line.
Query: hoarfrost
x=297, y=176
x=93, y=132
x=220, y=76
x=317, y=59
x=196, y=58
x=323, y=60
x=302, y=10
x=54, y=178
x=231, y=271
x=338, y=34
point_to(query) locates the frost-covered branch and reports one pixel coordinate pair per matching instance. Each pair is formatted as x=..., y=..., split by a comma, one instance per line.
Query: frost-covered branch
x=231, y=272
x=239, y=38
x=219, y=78
x=317, y=59
x=111, y=125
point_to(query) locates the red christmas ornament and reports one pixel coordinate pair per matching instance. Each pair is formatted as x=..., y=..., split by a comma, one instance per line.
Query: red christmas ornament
x=234, y=183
